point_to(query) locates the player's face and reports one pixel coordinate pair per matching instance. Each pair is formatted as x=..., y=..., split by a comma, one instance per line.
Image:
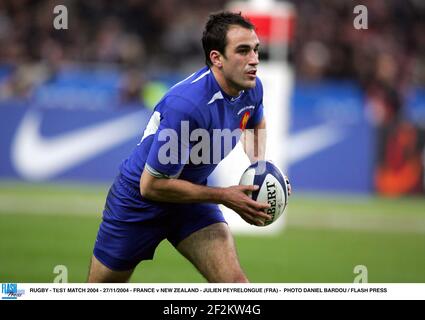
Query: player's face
x=240, y=59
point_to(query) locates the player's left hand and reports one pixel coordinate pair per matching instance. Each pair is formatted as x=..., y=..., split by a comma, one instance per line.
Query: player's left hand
x=289, y=185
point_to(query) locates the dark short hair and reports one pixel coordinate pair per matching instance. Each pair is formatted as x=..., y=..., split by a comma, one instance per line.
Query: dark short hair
x=215, y=32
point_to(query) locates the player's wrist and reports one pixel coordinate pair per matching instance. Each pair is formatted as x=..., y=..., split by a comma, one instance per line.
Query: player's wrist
x=218, y=195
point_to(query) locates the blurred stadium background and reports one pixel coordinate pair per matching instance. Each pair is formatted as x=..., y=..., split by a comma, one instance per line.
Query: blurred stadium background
x=357, y=119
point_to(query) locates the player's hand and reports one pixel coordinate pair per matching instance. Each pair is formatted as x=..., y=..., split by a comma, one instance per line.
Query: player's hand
x=236, y=198
x=289, y=185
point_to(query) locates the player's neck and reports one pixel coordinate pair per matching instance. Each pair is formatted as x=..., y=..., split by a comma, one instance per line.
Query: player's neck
x=224, y=85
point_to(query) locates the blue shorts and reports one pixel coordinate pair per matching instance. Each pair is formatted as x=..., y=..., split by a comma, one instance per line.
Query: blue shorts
x=132, y=228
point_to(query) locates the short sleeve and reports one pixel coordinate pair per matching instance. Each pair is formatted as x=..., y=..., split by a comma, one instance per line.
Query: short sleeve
x=258, y=113
x=171, y=146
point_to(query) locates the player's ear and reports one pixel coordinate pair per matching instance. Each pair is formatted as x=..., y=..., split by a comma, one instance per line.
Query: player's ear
x=216, y=58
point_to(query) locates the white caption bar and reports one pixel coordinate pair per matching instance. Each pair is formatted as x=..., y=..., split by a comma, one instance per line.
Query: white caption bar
x=40, y=291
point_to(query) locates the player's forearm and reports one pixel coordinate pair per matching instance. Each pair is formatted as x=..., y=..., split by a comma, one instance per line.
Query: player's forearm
x=180, y=191
x=254, y=142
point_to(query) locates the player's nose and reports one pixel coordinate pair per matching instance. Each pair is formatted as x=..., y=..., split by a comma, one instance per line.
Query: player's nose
x=255, y=58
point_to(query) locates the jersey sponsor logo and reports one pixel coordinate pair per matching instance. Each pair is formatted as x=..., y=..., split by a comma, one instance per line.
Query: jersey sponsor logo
x=245, y=108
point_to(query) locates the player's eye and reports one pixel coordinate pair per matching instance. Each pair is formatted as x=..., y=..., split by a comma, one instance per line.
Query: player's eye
x=243, y=51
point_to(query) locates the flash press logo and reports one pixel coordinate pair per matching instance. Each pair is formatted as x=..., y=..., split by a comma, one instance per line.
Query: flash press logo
x=10, y=291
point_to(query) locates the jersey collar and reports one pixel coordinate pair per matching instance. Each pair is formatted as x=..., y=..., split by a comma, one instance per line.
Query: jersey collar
x=227, y=97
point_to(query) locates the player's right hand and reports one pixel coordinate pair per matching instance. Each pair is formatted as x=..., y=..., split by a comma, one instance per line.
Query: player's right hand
x=237, y=199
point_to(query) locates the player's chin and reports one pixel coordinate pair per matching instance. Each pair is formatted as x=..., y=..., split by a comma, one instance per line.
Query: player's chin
x=250, y=82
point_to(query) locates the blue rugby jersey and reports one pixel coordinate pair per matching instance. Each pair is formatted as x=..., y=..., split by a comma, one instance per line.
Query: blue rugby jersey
x=194, y=103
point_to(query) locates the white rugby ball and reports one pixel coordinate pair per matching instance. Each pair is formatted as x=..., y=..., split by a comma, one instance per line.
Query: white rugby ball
x=273, y=188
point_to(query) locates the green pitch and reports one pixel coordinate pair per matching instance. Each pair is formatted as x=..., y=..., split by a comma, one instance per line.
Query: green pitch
x=325, y=238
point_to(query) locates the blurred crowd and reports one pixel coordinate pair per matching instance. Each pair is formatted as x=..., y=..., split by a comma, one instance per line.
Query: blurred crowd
x=328, y=45
x=136, y=36
x=142, y=35
x=387, y=58
x=129, y=32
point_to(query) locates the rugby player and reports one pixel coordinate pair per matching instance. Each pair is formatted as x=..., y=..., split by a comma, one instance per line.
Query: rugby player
x=152, y=199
